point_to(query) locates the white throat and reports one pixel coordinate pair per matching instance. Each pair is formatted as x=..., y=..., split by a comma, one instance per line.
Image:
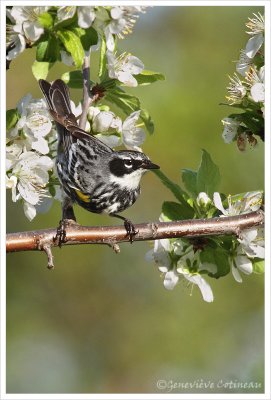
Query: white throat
x=128, y=181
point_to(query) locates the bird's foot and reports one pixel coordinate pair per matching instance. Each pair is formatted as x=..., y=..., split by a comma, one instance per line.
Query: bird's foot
x=130, y=229
x=61, y=234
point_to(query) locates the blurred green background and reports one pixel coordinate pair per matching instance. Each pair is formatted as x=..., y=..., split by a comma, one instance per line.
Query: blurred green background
x=102, y=322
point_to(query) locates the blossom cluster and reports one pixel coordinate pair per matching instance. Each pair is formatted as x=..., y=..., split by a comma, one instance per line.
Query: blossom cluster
x=184, y=259
x=31, y=146
x=246, y=90
x=26, y=25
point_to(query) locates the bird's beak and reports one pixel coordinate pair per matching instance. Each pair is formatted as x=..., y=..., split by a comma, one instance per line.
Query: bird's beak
x=149, y=165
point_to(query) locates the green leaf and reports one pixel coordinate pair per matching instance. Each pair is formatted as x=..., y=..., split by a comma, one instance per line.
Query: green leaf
x=74, y=79
x=52, y=190
x=12, y=117
x=73, y=45
x=208, y=176
x=46, y=20
x=109, y=84
x=48, y=50
x=217, y=257
x=258, y=265
x=147, y=77
x=40, y=69
x=146, y=118
x=126, y=102
x=174, y=211
x=189, y=178
x=88, y=37
x=175, y=189
x=102, y=61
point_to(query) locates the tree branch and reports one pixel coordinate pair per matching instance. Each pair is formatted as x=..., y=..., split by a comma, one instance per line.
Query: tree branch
x=87, y=99
x=111, y=235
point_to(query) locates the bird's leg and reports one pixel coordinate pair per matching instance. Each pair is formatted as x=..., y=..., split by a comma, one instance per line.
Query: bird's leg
x=128, y=225
x=68, y=218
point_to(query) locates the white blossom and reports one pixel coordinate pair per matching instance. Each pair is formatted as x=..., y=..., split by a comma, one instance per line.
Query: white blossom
x=244, y=64
x=38, y=126
x=236, y=90
x=106, y=121
x=92, y=112
x=15, y=40
x=251, y=201
x=107, y=126
x=240, y=263
x=165, y=251
x=256, y=24
x=252, y=242
x=161, y=256
x=197, y=279
x=203, y=200
x=132, y=135
x=28, y=180
x=33, y=125
x=29, y=18
x=255, y=80
x=121, y=23
x=124, y=67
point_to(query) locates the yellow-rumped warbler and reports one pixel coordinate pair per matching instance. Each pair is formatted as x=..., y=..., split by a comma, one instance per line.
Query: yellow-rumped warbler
x=92, y=174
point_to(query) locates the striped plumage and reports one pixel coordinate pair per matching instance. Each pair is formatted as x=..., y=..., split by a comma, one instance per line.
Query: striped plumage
x=92, y=174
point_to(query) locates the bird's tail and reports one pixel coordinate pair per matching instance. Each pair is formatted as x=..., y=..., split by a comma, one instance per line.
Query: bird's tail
x=58, y=99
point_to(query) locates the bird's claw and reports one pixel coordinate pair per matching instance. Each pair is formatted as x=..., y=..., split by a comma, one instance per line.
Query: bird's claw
x=130, y=229
x=61, y=234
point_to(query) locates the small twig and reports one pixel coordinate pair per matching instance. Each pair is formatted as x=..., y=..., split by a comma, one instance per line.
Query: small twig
x=45, y=245
x=48, y=250
x=34, y=240
x=115, y=247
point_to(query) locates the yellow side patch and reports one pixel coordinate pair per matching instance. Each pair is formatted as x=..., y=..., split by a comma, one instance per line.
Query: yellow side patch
x=84, y=197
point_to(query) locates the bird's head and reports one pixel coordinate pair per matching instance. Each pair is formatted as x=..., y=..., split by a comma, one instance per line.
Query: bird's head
x=127, y=167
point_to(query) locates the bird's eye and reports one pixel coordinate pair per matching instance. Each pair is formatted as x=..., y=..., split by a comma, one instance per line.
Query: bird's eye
x=128, y=164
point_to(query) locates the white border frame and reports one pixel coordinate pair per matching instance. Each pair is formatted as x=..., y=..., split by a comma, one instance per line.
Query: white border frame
x=234, y=396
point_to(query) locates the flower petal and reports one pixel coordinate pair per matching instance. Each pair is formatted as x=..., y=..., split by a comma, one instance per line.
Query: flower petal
x=204, y=286
x=86, y=16
x=40, y=145
x=258, y=92
x=127, y=78
x=253, y=45
x=244, y=264
x=236, y=274
x=29, y=210
x=110, y=140
x=33, y=30
x=17, y=48
x=218, y=203
x=134, y=65
x=170, y=280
